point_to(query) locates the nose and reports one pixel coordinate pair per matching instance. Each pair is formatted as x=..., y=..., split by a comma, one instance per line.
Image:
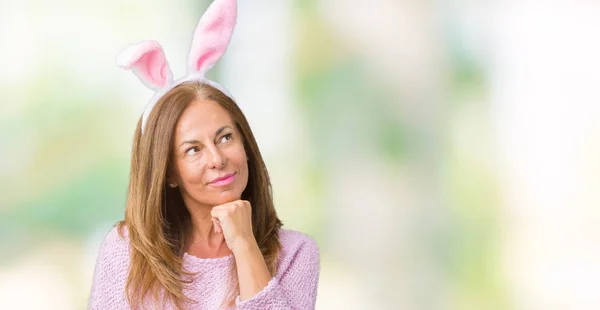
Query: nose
x=217, y=160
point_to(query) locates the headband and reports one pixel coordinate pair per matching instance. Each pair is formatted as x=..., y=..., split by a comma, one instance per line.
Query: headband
x=148, y=62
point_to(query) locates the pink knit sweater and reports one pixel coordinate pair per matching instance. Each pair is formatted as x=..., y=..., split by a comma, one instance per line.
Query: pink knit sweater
x=293, y=287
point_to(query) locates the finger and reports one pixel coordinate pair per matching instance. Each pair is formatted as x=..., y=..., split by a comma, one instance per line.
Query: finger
x=222, y=212
x=230, y=205
x=218, y=212
x=217, y=225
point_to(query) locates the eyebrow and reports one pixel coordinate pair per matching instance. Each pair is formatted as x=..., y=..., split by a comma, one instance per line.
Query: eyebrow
x=196, y=141
x=221, y=130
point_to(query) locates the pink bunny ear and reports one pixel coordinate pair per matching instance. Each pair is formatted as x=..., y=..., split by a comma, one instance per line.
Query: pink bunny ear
x=147, y=60
x=212, y=36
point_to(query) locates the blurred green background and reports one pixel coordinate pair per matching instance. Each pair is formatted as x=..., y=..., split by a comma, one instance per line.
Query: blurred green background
x=444, y=154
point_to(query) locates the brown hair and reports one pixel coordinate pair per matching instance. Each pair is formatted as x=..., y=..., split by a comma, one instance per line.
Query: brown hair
x=156, y=217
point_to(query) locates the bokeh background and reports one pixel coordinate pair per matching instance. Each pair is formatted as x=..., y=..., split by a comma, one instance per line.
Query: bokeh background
x=443, y=154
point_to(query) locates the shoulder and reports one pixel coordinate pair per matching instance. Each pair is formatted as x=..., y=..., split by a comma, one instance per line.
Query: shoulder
x=114, y=251
x=110, y=274
x=297, y=249
x=292, y=239
x=117, y=238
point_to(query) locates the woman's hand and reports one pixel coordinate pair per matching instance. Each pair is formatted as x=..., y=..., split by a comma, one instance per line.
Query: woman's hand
x=234, y=220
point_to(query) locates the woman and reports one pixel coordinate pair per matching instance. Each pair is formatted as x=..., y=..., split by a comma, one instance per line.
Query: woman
x=200, y=228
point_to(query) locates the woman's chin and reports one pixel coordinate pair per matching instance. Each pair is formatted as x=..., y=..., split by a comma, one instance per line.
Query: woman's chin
x=228, y=196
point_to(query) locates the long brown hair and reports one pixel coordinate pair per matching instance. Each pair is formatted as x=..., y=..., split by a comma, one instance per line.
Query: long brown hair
x=156, y=217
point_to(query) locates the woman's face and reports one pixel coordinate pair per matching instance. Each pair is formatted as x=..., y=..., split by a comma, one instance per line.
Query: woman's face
x=208, y=157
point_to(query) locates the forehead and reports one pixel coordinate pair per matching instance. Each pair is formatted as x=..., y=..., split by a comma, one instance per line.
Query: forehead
x=201, y=117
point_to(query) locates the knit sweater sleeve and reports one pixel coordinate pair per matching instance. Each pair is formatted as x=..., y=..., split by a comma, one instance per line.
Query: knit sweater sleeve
x=295, y=284
x=110, y=273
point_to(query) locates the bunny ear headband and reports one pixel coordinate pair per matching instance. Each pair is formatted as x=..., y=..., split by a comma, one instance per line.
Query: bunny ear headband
x=148, y=62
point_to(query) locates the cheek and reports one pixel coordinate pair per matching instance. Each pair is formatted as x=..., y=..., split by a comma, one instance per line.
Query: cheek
x=243, y=166
x=192, y=173
x=238, y=157
x=237, y=161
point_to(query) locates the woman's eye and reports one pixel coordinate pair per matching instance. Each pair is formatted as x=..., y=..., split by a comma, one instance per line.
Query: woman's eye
x=226, y=138
x=192, y=150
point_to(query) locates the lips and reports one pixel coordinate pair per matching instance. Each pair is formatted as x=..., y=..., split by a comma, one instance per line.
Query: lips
x=223, y=179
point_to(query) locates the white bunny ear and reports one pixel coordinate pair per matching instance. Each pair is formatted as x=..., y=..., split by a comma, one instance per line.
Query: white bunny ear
x=147, y=60
x=212, y=36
